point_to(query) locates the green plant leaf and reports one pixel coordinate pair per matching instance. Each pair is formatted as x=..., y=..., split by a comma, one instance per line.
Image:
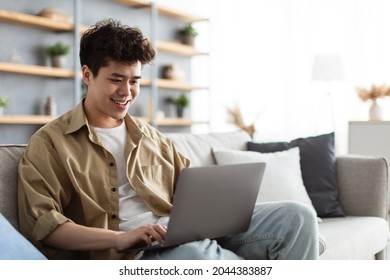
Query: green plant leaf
x=58, y=48
x=4, y=101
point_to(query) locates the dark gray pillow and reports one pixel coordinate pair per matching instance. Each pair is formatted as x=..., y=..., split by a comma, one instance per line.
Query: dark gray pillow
x=318, y=166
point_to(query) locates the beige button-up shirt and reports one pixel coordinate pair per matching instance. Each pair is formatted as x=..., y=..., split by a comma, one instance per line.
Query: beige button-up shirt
x=65, y=175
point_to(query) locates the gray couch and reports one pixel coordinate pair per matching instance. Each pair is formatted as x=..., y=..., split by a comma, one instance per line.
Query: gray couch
x=363, y=192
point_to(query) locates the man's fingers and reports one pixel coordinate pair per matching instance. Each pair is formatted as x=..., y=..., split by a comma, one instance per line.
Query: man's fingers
x=155, y=233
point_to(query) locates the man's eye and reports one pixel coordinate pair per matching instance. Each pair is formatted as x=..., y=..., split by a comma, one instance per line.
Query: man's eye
x=134, y=82
x=116, y=80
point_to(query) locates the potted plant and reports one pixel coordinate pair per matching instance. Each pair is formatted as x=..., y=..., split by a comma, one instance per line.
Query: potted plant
x=4, y=103
x=57, y=53
x=188, y=34
x=181, y=102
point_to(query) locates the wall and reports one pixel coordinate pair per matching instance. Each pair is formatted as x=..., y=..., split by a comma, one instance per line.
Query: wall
x=263, y=58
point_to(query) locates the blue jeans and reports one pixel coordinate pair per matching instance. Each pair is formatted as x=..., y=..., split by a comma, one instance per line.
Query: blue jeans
x=278, y=231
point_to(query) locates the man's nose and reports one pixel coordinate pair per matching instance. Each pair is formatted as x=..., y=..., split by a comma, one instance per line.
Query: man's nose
x=125, y=89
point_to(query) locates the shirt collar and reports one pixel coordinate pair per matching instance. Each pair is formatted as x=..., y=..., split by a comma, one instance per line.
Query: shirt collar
x=79, y=119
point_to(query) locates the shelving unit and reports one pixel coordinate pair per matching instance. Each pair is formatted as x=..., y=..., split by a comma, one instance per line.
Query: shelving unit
x=172, y=47
x=154, y=83
x=38, y=22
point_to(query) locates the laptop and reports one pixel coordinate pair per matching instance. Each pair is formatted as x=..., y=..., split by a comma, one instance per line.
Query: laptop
x=211, y=202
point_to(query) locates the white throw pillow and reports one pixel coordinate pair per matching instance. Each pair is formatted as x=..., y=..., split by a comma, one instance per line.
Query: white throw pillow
x=282, y=178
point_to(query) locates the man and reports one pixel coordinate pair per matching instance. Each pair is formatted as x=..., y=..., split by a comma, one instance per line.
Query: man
x=96, y=181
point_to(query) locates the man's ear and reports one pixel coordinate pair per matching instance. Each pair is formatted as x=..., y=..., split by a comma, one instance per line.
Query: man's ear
x=86, y=74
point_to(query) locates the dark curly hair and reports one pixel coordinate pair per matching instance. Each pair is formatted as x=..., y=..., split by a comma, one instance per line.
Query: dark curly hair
x=110, y=40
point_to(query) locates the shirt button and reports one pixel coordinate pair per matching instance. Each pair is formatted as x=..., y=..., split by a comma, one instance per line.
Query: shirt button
x=113, y=216
x=113, y=189
x=111, y=164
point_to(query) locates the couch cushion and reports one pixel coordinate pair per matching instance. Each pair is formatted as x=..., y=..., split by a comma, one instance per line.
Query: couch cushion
x=282, y=178
x=197, y=147
x=318, y=164
x=353, y=238
x=363, y=185
x=9, y=160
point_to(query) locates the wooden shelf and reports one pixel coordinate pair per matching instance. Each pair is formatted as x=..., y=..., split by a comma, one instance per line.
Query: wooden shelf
x=177, y=122
x=171, y=84
x=64, y=73
x=146, y=82
x=35, y=70
x=25, y=119
x=173, y=121
x=35, y=21
x=163, y=10
x=42, y=119
x=134, y=3
x=177, y=48
x=179, y=85
x=179, y=15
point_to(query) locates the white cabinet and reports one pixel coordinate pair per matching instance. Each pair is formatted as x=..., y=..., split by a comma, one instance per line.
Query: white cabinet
x=369, y=138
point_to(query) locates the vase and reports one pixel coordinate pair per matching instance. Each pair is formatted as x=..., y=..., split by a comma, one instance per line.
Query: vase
x=58, y=61
x=375, y=112
x=180, y=111
x=188, y=40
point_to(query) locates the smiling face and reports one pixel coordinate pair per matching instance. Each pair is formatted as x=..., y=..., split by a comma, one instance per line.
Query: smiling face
x=111, y=92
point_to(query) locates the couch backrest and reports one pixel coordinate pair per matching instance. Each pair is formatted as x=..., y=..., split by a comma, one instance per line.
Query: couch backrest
x=10, y=156
x=197, y=147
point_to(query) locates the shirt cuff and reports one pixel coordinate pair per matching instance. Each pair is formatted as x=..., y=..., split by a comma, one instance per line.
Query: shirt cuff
x=47, y=223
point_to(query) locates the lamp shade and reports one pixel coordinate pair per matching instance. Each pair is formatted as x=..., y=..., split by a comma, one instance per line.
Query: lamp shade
x=327, y=67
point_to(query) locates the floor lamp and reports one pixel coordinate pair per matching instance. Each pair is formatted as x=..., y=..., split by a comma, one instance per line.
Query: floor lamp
x=328, y=68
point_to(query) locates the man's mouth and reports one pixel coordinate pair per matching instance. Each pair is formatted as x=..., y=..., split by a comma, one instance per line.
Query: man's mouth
x=121, y=103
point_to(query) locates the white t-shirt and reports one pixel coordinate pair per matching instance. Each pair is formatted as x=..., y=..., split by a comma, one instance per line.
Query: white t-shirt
x=132, y=210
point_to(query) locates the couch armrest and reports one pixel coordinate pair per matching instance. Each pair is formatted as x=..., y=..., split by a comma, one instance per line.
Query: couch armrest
x=363, y=185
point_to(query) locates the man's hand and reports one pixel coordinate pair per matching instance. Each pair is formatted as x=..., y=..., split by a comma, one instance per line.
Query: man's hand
x=144, y=234
x=71, y=236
